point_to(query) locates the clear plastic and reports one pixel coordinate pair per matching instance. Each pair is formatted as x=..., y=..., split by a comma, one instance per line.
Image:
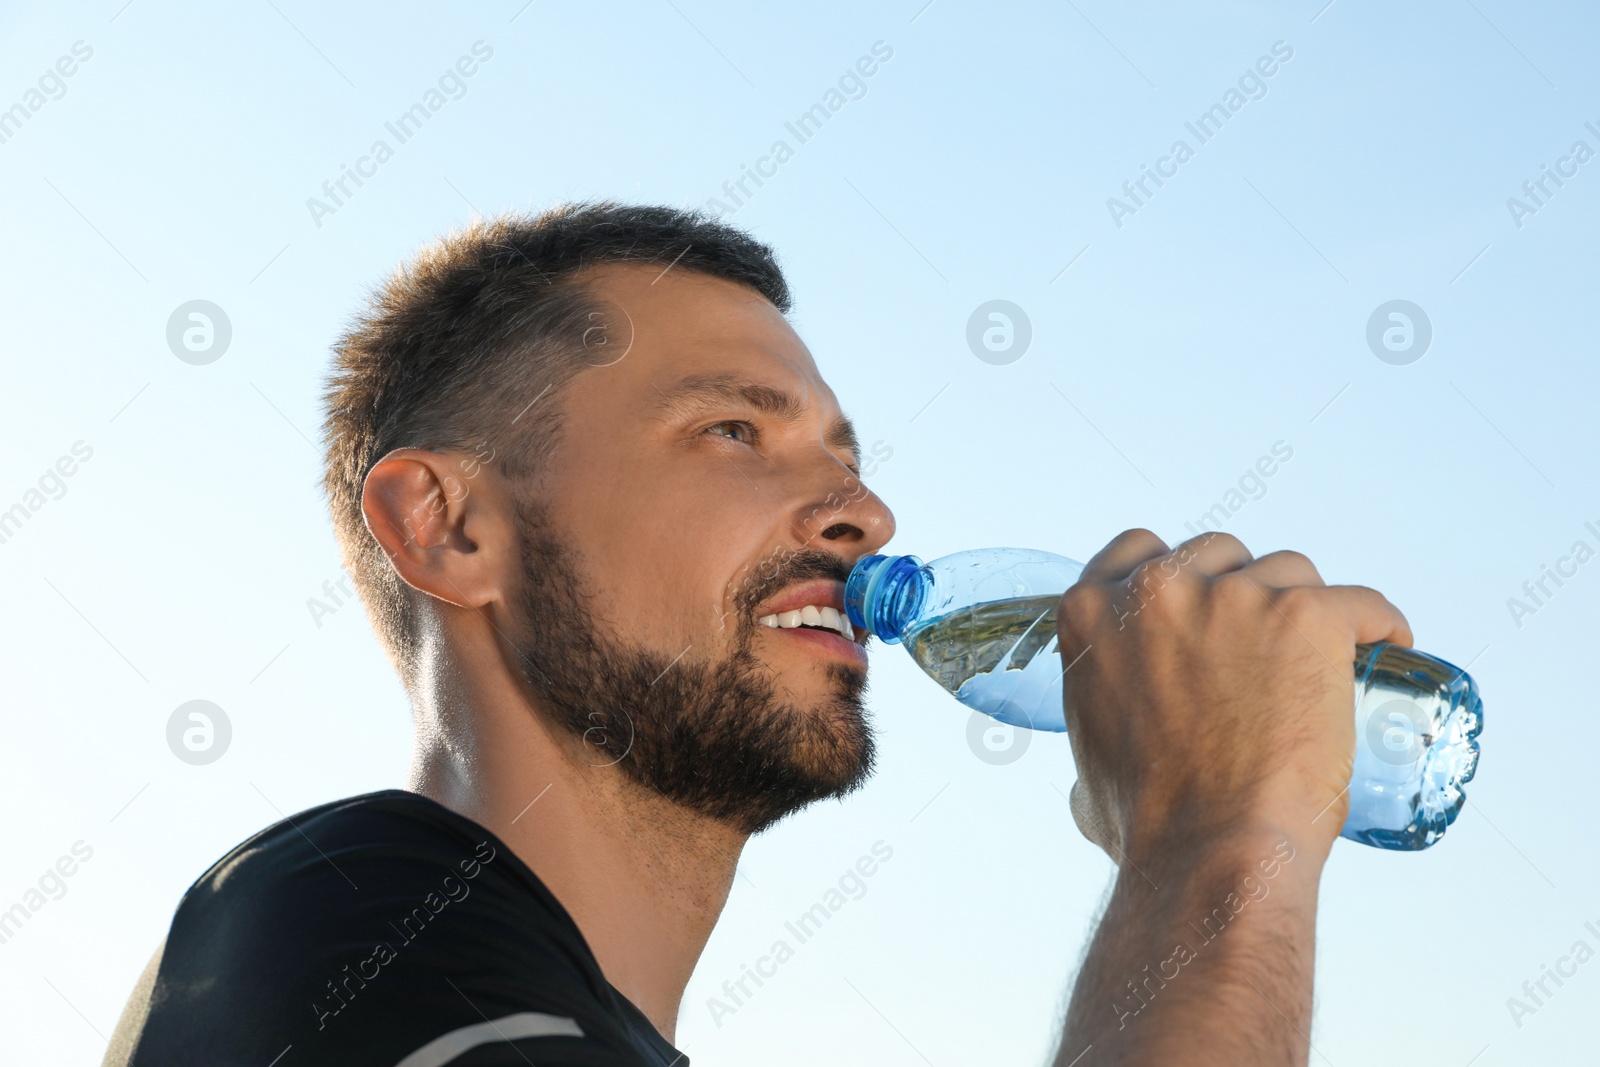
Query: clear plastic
x=983, y=625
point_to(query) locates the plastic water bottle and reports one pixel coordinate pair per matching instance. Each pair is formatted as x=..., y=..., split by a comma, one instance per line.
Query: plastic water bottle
x=983, y=625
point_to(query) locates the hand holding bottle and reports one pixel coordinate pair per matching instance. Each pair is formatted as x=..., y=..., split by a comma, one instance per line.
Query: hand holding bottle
x=1210, y=693
x=1214, y=702
x=983, y=624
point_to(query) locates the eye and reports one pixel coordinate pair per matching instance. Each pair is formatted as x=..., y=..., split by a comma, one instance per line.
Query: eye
x=734, y=430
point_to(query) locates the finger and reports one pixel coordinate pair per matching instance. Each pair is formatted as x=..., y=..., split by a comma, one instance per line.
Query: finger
x=1371, y=615
x=1121, y=555
x=1211, y=554
x=1279, y=570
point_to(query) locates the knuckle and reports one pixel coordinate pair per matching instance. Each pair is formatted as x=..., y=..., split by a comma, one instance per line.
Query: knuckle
x=1081, y=606
x=1156, y=583
x=1145, y=573
x=1228, y=542
x=1236, y=590
x=1138, y=540
x=1383, y=604
x=1299, y=561
x=1300, y=604
x=1376, y=597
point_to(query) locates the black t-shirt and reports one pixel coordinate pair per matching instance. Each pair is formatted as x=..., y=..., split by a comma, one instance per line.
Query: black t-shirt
x=383, y=930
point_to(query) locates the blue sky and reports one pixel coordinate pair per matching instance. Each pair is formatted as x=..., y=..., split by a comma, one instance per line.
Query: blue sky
x=1171, y=347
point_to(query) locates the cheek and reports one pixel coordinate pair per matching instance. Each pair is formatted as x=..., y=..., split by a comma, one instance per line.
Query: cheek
x=665, y=556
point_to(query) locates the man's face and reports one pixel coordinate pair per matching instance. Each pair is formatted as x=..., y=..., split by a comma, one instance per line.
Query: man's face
x=703, y=482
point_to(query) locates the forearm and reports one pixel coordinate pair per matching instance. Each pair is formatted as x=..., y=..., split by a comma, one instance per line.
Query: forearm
x=1201, y=958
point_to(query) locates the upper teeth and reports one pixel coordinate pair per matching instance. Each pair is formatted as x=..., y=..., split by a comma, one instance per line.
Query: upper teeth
x=811, y=615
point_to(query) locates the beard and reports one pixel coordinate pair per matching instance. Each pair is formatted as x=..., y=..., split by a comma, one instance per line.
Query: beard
x=709, y=734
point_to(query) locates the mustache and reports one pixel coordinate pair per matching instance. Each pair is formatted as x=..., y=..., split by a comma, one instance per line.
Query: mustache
x=784, y=568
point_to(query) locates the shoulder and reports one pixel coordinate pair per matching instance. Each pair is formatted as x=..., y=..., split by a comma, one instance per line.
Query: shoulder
x=314, y=877
x=359, y=928
x=381, y=835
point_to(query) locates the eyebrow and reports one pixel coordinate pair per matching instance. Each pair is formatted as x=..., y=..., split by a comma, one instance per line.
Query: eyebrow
x=699, y=390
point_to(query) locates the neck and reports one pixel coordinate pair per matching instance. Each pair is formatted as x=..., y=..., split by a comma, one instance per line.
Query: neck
x=644, y=879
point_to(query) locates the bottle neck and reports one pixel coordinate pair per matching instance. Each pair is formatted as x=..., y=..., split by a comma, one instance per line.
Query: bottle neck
x=884, y=594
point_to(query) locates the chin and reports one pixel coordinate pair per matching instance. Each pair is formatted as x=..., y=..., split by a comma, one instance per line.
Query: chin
x=834, y=746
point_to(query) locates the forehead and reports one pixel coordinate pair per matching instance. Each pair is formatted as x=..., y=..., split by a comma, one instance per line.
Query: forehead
x=666, y=326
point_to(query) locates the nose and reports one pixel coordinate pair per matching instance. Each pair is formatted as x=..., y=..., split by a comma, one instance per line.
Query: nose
x=843, y=516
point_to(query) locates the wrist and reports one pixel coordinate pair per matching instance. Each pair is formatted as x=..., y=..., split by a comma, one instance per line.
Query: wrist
x=1251, y=861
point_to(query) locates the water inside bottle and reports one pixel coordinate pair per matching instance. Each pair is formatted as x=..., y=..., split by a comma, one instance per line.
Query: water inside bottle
x=1417, y=718
x=1417, y=723
x=1000, y=658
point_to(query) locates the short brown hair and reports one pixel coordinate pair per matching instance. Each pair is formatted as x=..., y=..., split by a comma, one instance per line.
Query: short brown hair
x=468, y=345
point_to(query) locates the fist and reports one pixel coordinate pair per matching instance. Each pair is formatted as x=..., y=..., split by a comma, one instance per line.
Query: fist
x=1211, y=694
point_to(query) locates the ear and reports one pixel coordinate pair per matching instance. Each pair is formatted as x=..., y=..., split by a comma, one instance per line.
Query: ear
x=444, y=521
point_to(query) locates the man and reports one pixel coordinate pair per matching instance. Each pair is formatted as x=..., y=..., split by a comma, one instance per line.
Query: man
x=574, y=461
